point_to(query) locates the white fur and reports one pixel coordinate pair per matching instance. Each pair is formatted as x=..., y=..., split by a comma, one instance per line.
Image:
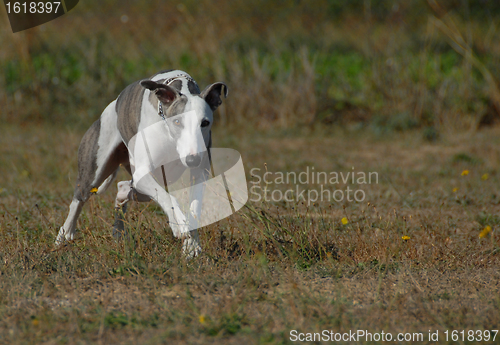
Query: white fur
x=109, y=138
x=193, y=137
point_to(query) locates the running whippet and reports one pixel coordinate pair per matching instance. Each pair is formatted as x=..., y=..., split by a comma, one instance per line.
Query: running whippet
x=173, y=98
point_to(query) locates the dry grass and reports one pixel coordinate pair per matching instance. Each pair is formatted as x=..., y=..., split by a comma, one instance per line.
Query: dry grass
x=269, y=269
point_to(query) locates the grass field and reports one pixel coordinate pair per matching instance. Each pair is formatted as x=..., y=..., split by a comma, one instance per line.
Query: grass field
x=406, y=91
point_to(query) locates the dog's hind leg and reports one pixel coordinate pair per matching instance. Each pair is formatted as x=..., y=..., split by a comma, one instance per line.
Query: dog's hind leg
x=67, y=231
x=87, y=166
x=100, y=154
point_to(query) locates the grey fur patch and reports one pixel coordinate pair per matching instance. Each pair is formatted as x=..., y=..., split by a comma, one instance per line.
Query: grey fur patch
x=87, y=162
x=128, y=108
x=193, y=88
x=176, y=84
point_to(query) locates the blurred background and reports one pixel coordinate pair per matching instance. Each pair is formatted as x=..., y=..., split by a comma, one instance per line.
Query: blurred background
x=384, y=65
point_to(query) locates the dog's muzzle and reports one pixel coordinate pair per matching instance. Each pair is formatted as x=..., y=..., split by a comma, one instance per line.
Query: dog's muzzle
x=193, y=161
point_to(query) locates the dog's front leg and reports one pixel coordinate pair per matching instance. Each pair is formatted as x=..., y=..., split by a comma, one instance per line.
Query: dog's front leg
x=178, y=222
x=191, y=245
x=123, y=196
x=126, y=193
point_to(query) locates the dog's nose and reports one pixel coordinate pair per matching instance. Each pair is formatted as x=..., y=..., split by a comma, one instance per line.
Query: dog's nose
x=193, y=161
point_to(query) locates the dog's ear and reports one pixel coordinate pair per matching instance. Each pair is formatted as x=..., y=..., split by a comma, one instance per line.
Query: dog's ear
x=166, y=94
x=212, y=94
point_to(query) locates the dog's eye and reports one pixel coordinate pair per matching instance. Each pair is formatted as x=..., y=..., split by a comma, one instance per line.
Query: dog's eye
x=205, y=123
x=177, y=122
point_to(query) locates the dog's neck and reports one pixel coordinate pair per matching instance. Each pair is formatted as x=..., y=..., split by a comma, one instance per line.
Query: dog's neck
x=160, y=110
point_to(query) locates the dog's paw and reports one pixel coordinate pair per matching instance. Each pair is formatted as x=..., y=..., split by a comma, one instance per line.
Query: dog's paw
x=191, y=246
x=63, y=237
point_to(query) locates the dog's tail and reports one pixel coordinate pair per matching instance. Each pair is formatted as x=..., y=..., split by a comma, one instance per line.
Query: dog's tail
x=107, y=182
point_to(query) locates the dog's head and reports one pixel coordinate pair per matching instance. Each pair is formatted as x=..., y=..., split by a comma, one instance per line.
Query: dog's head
x=188, y=113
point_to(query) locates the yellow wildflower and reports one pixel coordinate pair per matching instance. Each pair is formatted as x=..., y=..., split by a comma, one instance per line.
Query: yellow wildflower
x=344, y=221
x=93, y=190
x=465, y=172
x=202, y=319
x=485, y=231
x=484, y=177
x=455, y=190
x=405, y=238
